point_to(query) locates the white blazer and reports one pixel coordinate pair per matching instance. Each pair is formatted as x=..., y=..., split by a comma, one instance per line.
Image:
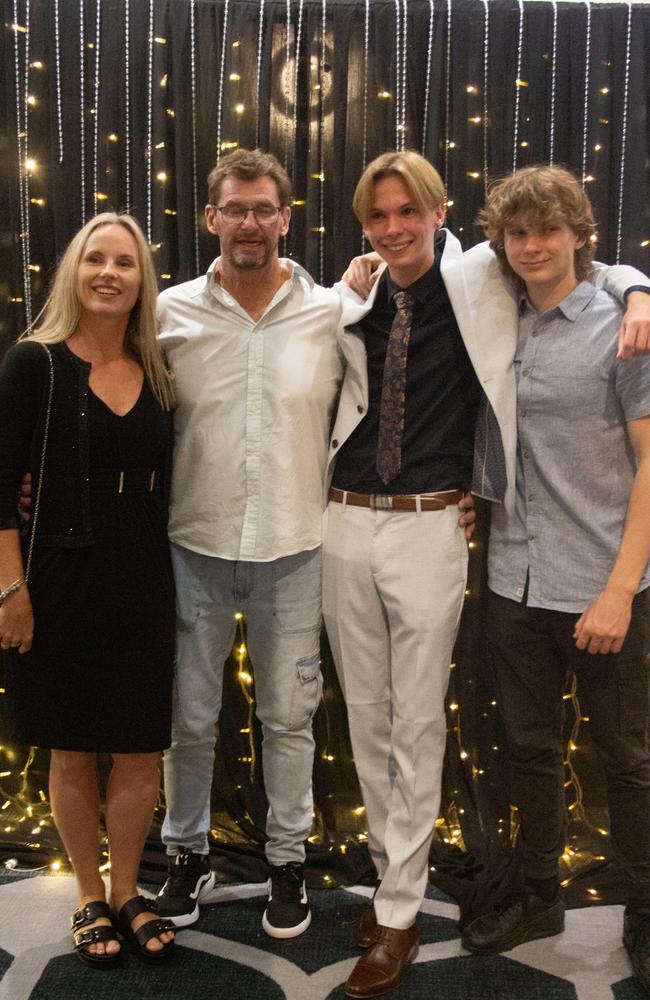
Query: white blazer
x=486, y=312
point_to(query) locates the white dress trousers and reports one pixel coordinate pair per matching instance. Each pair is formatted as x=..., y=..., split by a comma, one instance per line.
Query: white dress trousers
x=393, y=590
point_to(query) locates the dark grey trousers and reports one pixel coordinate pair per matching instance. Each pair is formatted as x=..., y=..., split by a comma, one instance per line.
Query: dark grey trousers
x=533, y=652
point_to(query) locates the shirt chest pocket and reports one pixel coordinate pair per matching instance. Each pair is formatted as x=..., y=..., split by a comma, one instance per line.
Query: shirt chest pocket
x=577, y=395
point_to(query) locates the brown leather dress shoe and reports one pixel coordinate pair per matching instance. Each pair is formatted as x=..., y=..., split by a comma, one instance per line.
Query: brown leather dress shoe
x=367, y=928
x=382, y=968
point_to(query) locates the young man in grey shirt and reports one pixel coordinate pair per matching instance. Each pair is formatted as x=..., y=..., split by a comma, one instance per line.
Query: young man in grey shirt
x=568, y=569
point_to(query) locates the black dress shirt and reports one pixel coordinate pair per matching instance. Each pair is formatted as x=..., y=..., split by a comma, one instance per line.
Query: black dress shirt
x=442, y=396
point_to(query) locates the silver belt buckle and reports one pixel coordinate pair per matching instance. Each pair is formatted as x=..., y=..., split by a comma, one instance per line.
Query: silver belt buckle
x=380, y=503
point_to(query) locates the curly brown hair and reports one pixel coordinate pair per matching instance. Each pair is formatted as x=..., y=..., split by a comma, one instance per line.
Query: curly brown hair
x=537, y=196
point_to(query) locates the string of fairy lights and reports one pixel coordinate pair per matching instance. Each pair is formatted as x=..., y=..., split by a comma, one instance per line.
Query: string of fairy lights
x=26, y=807
x=29, y=168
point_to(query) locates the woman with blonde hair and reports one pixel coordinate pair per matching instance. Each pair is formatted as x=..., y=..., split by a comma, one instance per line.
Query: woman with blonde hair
x=86, y=596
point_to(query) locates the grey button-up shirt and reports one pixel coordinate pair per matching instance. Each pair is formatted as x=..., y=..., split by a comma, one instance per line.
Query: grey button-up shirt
x=575, y=463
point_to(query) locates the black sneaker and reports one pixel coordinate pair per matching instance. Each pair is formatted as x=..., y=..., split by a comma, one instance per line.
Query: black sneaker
x=521, y=918
x=189, y=879
x=636, y=938
x=287, y=914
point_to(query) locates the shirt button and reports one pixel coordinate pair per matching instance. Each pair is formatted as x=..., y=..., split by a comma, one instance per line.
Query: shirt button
x=335, y=443
x=525, y=372
x=535, y=333
x=531, y=496
x=531, y=538
x=526, y=454
x=359, y=408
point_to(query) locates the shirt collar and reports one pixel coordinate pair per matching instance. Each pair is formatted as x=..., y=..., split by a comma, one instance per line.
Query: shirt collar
x=420, y=289
x=571, y=307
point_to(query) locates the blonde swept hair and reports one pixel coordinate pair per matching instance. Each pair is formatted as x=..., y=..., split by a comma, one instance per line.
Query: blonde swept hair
x=423, y=181
x=59, y=317
x=249, y=165
x=538, y=196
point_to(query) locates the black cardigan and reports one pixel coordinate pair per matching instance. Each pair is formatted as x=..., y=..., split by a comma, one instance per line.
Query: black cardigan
x=64, y=514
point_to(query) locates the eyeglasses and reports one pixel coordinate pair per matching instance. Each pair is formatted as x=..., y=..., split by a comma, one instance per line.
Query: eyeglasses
x=264, y=214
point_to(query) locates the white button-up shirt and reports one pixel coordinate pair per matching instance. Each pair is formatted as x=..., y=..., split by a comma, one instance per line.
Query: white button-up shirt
x=253, y=413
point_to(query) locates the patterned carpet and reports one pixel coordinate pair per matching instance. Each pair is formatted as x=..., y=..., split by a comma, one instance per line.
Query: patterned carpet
x=227, y=955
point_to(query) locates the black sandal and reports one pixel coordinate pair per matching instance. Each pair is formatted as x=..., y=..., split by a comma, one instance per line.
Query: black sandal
x=82, y=939
x=153, y=928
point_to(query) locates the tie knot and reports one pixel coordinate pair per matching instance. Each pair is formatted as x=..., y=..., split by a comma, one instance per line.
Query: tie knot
x=403, y=300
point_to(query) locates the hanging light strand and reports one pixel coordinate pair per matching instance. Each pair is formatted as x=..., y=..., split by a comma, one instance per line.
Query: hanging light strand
x=98, y=25
x=404, y=63
x=23, y=176
x=364, y=139
x=57, y=59
x=195, y=188
x=82, y=109
x=585, y=103
x=427, y=84
x=258, y=76
x=286, y=83
x=448, y=96
x=366, y=49
x=398, y=70
x=626, y=94
x=28, y=238
x=296, y=77
x=486, y=69
x=26, y=134
x=150, y=123
x=321, y=126
x=551, y=154
x=520, y=46
x=127, y=102
x=226, y=11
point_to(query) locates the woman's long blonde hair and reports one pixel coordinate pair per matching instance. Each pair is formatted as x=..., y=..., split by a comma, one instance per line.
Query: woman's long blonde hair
x=59, y=317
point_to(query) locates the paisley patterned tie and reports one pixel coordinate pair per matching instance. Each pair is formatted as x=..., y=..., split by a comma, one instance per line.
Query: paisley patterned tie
x=391, y=413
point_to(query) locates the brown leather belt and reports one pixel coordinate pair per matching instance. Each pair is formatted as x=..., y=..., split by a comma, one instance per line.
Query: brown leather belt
x=409, y=501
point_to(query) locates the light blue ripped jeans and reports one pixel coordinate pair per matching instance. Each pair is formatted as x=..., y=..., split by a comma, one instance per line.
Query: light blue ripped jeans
x=281, y=601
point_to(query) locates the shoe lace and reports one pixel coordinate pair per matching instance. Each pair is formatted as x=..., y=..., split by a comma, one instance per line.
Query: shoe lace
x=286, y=882
x=182, y=876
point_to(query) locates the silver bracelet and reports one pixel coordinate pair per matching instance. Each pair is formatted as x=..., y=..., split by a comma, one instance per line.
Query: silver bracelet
x=11, y=589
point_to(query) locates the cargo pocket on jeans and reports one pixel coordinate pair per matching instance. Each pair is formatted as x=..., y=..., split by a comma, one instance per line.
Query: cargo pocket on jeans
x=308, y=690
x=308, y=669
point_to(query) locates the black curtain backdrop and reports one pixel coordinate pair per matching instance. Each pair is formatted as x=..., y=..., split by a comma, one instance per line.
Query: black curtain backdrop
x=126, y=104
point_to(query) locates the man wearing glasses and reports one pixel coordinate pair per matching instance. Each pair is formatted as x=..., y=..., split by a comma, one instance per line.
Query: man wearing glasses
x=257, y=368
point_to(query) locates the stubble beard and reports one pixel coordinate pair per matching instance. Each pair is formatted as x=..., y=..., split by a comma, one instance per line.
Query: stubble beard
x=244, y=262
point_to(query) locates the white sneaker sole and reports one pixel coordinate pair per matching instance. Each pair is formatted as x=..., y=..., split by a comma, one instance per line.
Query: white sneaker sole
x=285, y=932
x=185, y=919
